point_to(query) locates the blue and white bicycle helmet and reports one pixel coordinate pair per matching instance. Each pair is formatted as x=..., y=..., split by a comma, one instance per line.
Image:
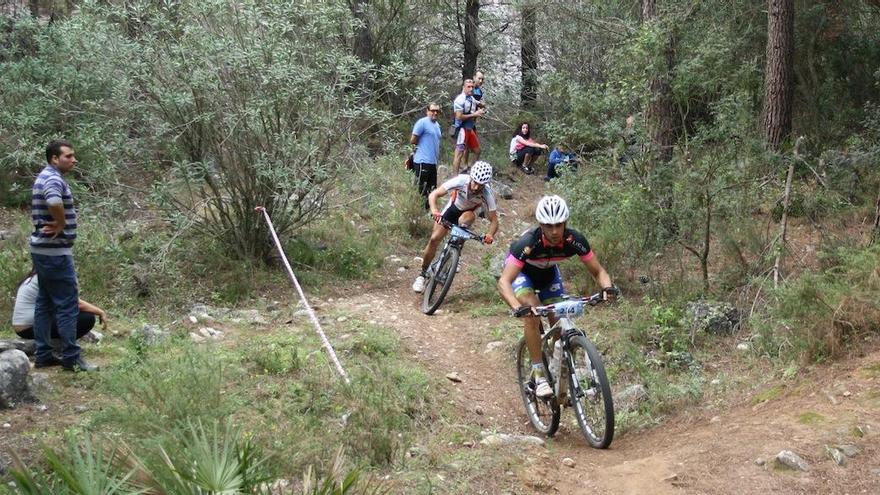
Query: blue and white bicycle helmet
x=481, y=172
x=551, y=210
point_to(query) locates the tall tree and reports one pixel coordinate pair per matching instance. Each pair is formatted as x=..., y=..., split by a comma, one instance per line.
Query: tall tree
x=363, y=40
x=470, y=37
x=660, y=111
x=529, y=55
x=778, y=79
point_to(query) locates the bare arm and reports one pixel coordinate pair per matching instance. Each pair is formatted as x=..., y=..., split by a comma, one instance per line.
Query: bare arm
x=413, y=139
x=432, y=199
x=88, y=307
x=56, y=226
x=598, y=272
x=493, y=223
x=505, y=285
x=469, y=116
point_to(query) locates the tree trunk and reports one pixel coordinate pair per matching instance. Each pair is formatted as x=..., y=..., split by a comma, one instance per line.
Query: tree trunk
x=529, y=56
x=471, y=41
x=363, y=41
x=875, y=236
x=34, y=6
x=660, y=112
x=778, y=77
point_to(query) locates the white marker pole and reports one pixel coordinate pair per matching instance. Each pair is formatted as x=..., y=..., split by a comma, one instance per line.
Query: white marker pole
x=302, y=295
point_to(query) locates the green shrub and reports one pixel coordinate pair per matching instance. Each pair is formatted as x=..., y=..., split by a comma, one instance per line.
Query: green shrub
x=819, y=314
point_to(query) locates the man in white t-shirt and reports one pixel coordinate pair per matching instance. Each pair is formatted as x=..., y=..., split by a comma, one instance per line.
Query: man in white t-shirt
x=468, y=192
x=467, y=111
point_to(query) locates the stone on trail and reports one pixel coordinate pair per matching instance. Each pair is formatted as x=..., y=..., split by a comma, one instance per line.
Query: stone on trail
x=14, y=385
x=568, y=461
x=790, y=460
x=835, y=455
x=498, y=439
x=453, y=377
x=717, y=318
x=849, y=450
x=502, y=189
x=494, y=345
x=151, y=334
x=26, y=346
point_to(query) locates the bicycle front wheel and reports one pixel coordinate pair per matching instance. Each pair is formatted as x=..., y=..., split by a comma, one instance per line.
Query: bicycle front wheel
x=591, y=393
x=542, y=413
x=441, y=280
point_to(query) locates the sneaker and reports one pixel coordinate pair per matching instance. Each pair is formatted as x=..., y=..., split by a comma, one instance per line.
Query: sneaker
x=52, y=361
x=542, y=388
x=528, y=170
x=78, y=365
x=419, y=285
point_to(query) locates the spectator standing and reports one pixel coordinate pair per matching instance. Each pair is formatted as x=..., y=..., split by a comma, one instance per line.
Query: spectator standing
x=523, y=149
x=479, y=77
x=51, y=247
x=426, y=136
x=467, y=145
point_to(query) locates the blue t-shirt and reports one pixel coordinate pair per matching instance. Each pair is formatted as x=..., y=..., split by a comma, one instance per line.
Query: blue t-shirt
x=428, y=148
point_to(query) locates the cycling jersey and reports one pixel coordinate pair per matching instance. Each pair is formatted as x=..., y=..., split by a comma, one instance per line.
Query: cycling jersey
x=466, y=105
x=461, y=197
x=533, y=254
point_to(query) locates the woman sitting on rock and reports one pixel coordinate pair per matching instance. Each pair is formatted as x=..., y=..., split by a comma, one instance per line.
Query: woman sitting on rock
x=523, y=149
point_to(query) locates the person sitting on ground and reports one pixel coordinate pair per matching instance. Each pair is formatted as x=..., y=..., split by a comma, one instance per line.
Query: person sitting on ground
x=25, y=302
x=531, y=275
x=469, y=191
x=560, y=156
x=523, y=149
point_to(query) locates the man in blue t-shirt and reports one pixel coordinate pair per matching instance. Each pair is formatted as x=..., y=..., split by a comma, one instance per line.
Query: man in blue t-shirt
x=425, y=137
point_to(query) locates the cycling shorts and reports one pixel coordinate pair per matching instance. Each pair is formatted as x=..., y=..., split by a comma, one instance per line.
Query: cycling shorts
x=547, y=282
x=451, y=213
x=467, y=138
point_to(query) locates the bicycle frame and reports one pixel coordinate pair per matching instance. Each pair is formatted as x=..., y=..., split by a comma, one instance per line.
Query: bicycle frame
x=563, y=329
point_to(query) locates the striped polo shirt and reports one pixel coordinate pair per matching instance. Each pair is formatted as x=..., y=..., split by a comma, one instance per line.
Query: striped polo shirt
x=51, y=189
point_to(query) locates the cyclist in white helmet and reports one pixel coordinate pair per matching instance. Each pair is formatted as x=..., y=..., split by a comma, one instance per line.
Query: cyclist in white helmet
x=468, y=192
x=531, y=275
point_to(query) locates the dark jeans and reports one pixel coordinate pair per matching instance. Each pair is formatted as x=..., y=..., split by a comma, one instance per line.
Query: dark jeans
x=551, y=168
x=528, y=150
x=57, y=303
x=426, y=178
x=84, y=324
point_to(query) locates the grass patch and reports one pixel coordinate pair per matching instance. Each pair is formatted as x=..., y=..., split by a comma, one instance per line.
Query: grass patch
x=872, y=371
x=810, y=418
x=768, y=394
x=278, y=395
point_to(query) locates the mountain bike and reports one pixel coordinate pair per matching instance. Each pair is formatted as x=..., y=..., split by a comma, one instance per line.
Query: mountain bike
x=575, y=372
x=443, y=268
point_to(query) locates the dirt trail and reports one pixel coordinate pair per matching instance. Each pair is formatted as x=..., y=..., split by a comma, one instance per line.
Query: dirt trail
x=709, y=449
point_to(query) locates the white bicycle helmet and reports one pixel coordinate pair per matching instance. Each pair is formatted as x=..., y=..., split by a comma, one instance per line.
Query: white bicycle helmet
x=481, y=172
x=551, y=210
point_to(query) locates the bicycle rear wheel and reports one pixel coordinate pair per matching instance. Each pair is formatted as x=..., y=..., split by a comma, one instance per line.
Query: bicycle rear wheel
x=441, y=280
x=591, y=393
x=542, y=413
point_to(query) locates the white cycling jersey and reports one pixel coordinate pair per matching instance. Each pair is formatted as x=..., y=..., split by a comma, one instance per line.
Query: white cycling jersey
x=461, y=197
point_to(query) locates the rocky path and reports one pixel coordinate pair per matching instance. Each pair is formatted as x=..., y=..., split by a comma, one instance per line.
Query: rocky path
x=712, y=449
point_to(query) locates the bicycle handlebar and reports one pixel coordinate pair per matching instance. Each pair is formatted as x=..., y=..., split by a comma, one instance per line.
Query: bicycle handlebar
x=571, y=306
x=473, y=235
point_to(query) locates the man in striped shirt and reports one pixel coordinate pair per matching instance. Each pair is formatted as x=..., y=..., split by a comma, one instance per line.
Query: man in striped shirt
x=51, y=247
